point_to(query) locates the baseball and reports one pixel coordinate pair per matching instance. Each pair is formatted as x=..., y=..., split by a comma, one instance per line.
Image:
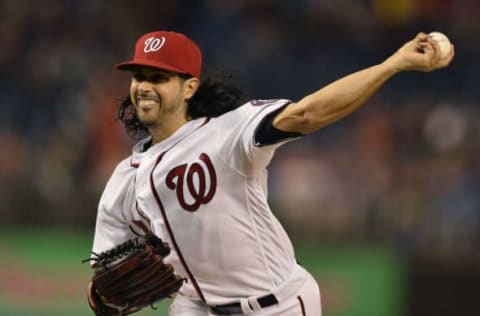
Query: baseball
x=443, y=42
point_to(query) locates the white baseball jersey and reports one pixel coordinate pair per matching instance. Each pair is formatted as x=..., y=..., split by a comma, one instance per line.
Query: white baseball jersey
x=204, y=191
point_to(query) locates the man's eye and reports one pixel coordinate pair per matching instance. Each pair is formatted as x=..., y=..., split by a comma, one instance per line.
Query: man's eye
x=158, y=78
x=138, y=76
x=155, y=78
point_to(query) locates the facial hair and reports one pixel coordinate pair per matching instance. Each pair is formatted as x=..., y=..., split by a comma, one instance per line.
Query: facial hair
x=148, y=119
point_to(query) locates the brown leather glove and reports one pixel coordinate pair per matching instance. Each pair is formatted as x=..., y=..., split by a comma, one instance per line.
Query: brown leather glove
x=131, y=276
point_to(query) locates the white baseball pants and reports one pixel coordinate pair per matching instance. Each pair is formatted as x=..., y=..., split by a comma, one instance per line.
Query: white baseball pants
x=298, y=297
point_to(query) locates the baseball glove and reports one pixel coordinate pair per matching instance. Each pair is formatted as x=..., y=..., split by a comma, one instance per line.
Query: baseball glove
x=131, y=276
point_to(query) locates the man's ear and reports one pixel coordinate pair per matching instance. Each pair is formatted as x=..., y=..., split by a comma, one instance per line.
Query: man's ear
x=190, y=86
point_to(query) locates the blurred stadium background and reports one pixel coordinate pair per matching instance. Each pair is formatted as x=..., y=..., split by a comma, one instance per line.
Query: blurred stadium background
x=383, y=207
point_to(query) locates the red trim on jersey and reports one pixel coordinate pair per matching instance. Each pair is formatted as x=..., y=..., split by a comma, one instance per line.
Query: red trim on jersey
x=133, y=164
x=140, y=212
x=136, y=164
x=141, y=224
x=170, y=231
x=205, y=122
x=167, y=223
x=302, y=305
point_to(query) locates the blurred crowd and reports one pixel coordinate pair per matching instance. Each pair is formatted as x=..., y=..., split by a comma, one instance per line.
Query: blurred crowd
x=403, y=169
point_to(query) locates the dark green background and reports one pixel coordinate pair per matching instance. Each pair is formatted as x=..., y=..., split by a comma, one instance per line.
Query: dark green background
x=42, y=274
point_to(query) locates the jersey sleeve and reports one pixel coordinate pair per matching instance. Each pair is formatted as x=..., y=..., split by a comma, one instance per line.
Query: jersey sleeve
x=114, y=211
x=267, y=134
x=237, y=137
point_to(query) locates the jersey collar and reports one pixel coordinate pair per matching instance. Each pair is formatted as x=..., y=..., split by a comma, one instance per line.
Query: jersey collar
x=138, y=150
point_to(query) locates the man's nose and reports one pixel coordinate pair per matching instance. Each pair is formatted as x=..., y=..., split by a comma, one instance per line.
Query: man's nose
x=145, y=86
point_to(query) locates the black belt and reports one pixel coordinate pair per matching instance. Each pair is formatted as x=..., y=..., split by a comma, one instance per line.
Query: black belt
x=236, y=308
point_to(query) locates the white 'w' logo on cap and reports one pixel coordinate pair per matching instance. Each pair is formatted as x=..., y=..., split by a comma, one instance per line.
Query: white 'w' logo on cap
x=153, y=44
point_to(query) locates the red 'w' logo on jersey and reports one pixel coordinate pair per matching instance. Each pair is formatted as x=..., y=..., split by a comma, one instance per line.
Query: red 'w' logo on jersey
x=198, y=192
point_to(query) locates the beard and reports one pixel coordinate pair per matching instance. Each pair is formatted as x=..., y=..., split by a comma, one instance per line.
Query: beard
x=147, y=108
x=152, y=110
x=147, y=119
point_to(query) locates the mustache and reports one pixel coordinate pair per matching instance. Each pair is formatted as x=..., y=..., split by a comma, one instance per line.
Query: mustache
x=146, y=96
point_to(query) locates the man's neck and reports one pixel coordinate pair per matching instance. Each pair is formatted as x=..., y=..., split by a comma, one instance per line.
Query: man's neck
x=166, y=129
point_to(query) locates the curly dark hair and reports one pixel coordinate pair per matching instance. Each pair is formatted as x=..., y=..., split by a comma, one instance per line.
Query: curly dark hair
x=215, y=96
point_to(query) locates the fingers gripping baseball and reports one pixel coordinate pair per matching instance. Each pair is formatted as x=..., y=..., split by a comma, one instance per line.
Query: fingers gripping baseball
x=422, y=53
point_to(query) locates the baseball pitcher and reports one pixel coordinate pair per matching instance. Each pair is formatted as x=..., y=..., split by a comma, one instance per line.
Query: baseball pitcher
x=186, y=215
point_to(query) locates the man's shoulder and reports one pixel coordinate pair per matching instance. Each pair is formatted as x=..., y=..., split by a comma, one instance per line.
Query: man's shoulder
x=124, y=165
x=254, y=106
x=135, y=157
x=267, y=102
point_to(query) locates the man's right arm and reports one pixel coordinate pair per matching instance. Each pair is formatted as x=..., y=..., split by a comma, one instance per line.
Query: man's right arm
x=347, y=94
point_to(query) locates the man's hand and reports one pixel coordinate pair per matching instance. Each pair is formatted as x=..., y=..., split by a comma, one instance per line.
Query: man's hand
x=420, y=54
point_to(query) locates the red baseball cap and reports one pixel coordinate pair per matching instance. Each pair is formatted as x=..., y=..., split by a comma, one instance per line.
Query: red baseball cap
x=168, y=51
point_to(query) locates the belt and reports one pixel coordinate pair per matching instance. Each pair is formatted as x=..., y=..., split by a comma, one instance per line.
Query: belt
x=236, y=308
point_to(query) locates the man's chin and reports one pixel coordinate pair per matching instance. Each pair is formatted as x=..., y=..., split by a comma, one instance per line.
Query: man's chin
x=147, y=120
x=148, y=123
